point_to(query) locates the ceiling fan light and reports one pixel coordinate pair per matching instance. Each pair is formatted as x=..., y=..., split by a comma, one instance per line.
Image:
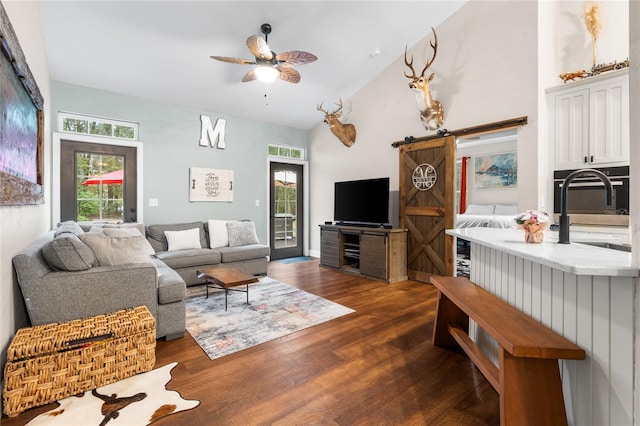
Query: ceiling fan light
x=266, y=73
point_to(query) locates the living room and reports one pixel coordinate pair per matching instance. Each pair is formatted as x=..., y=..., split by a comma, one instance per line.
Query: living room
x=483, y=76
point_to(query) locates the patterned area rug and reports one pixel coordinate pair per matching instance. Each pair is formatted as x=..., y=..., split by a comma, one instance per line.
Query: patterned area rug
x=135, y=401
x=275, y=309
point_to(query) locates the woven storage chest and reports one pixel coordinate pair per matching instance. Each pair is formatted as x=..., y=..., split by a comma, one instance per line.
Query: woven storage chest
x=49, y=362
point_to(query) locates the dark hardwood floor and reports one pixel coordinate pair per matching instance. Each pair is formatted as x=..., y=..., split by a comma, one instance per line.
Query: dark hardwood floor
x=376, y=366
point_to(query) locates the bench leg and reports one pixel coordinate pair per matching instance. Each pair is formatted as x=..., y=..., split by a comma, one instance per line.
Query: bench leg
x=531, y=391
x=448, y=313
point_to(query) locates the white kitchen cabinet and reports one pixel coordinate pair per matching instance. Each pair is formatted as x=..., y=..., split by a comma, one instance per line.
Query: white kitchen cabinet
x=589, y=121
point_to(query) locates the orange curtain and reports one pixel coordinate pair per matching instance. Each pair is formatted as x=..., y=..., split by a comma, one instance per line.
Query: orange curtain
x=463, y=186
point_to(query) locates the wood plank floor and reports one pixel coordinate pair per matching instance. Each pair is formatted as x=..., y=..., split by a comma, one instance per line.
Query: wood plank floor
x=376, y=366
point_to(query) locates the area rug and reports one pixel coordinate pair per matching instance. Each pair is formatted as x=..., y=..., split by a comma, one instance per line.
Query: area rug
x=295, y=259
x=138, y=400
x=275, y=309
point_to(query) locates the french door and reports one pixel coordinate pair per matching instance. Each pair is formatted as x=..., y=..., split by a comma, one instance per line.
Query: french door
x=98, y=182
x=286, y=210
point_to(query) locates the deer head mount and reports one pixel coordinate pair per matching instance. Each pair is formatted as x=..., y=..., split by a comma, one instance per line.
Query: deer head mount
x=345, y=132
x=431, y=111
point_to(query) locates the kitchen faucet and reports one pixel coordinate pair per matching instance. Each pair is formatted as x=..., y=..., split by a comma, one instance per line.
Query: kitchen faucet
x=563, y=236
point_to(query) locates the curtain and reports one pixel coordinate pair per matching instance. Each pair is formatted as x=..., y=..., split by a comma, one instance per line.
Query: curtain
x=463, y=186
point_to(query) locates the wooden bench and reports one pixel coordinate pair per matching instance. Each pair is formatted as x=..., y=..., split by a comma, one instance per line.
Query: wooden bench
x=528, y=376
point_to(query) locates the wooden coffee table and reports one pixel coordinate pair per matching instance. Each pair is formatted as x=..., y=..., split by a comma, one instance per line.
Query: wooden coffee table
x=224, y=277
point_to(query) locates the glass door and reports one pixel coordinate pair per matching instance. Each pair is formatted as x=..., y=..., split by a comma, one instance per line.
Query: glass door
x=285, y=211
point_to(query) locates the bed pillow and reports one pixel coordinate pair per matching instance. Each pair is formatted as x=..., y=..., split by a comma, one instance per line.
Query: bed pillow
x=183, y=240
x=218, y=233
x=506, y=209
x=110, y=251
x=480, y=209
x=242, y=233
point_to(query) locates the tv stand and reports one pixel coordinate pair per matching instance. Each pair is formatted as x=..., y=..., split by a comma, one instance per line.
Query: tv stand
x=374, y=252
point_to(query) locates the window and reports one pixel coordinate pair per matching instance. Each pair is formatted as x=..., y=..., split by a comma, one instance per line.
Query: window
x=77, y=123
x=287, y=151
x=99, y=185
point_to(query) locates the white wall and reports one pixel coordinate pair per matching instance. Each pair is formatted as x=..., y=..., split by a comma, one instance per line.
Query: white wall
x=21, y=225
x=481, y=76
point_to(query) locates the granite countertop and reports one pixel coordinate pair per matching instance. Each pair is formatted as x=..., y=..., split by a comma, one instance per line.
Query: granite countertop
x=576, y=258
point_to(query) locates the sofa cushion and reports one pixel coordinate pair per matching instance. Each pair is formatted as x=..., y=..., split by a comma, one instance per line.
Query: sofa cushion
x=242, y=233
x=218, y=233
x=190, y=257
x=69, y=227
x=236, y=254
x=117, y=250
x=129, y=231
x=68, y=253
x=171, y=287
x=158, y=240
x=183, y=240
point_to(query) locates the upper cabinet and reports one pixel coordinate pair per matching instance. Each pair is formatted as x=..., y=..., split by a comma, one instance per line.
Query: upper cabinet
x=589, y=121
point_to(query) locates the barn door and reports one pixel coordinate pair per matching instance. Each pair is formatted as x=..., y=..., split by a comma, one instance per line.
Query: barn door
x=427, y=206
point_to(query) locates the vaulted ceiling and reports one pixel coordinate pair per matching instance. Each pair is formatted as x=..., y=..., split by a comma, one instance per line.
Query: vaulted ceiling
x=161, y=49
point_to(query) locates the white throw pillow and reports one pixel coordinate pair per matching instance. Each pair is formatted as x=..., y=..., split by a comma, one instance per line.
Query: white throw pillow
x=506, y=209
x=111, y=251
x=183, y=240
x=218, y=234
x=480, y=209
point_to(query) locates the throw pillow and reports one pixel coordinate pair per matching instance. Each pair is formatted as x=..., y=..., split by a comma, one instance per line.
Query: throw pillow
x=68, y=253
x=242, y=233
x=117, y=250
x=68, y=227
x=480, y=209
x=183, y=240
x=218, y=234
x=127, y=232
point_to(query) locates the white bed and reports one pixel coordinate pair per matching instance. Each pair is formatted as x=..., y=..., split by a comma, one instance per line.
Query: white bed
x=488, y=216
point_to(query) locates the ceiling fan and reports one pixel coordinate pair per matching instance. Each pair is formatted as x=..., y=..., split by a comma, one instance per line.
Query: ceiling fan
x=270, y=65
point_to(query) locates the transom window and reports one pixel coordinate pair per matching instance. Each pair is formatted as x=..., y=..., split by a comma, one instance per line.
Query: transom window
x=286, y=151
x=84, y=124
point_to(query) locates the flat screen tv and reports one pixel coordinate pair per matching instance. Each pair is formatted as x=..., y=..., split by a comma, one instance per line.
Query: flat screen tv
x=362, y=201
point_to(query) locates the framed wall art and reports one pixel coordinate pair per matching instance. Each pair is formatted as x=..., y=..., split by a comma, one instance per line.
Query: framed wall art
x=496, y=171
x=210, y=184
x=21, y=124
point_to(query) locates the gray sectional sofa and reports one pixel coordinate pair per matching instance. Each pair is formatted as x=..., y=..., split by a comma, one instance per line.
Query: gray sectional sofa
x=71, y=273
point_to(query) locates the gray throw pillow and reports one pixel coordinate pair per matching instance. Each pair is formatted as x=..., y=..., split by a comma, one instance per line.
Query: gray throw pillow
x=68, y=253
x=242, y=233
x=69, y=227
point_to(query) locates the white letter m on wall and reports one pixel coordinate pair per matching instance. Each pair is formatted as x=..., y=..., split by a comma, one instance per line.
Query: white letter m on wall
x=209, y=135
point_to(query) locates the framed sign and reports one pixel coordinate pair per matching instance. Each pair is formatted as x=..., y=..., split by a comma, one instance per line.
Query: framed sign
x=210, y=184
x=21, y=124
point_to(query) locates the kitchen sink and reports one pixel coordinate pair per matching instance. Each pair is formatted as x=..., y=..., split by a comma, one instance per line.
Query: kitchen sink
x=604, y=244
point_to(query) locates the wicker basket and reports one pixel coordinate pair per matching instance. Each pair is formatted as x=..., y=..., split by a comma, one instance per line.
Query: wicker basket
x=49, y=362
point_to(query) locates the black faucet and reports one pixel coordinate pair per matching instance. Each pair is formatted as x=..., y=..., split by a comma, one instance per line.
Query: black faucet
x=563, y=236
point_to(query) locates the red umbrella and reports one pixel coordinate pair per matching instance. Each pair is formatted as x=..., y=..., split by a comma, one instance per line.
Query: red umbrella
x=112, y=178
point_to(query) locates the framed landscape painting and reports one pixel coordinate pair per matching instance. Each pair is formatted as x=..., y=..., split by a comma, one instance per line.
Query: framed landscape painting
x=21, y=124
x=497, y=171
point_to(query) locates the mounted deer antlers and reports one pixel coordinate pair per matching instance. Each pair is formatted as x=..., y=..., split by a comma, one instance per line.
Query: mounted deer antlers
x=345, y=132
x=431, y=111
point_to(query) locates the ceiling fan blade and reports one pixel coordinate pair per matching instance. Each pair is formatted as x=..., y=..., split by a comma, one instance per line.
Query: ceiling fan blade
x=289, y=74
x=259, y=48
x=250, y=76
x=234, y=60
x=296, y=57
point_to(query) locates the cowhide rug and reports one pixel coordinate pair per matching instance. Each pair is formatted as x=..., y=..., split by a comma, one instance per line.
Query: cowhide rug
x=137, y=400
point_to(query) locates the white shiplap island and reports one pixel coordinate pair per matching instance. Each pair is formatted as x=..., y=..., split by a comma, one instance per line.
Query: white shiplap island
x=582, y=292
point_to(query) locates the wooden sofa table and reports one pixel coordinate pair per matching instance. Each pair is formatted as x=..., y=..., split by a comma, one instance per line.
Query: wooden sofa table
x=224, y=277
